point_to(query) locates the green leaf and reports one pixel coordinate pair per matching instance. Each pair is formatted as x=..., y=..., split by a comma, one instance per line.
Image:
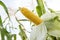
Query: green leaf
x=41, y=4
x=5, y=20
x=5, y=8
x=2, y=35
x=1, y=30
x=58, y=38
x=15, y=37
x=23, y=20
x=39, y=11
x=8, y=35
x=51, y=10
x=4, y=32
x=53, y=27
x=1, y=22
x=22, y=33
x=51, y=37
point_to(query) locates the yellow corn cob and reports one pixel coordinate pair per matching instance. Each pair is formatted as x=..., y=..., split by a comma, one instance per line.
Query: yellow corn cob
x=31, y=16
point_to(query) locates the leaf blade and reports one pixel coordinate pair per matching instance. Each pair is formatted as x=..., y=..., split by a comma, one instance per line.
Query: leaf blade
x=22, y=33
x=5, y=8
x=40, y=8
x=39, y=11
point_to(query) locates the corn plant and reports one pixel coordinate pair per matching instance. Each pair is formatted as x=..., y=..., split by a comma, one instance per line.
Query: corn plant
x=40, y=9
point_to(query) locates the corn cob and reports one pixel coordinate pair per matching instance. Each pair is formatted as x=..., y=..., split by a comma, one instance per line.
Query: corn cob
x=30, y=15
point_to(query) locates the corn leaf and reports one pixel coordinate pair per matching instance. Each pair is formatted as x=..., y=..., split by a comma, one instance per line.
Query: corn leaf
x=23, y=20
x=1, y=21
x=58, y=38
x=39, y=11
x=5, y=31
x=5, y=8
x=2, y=34
x=53, y=27
x=51, y=37
x=41, y=4
x=51, y=10
x=22, y=33
x=15, y=37
x=8, y=35
x=1, y=25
